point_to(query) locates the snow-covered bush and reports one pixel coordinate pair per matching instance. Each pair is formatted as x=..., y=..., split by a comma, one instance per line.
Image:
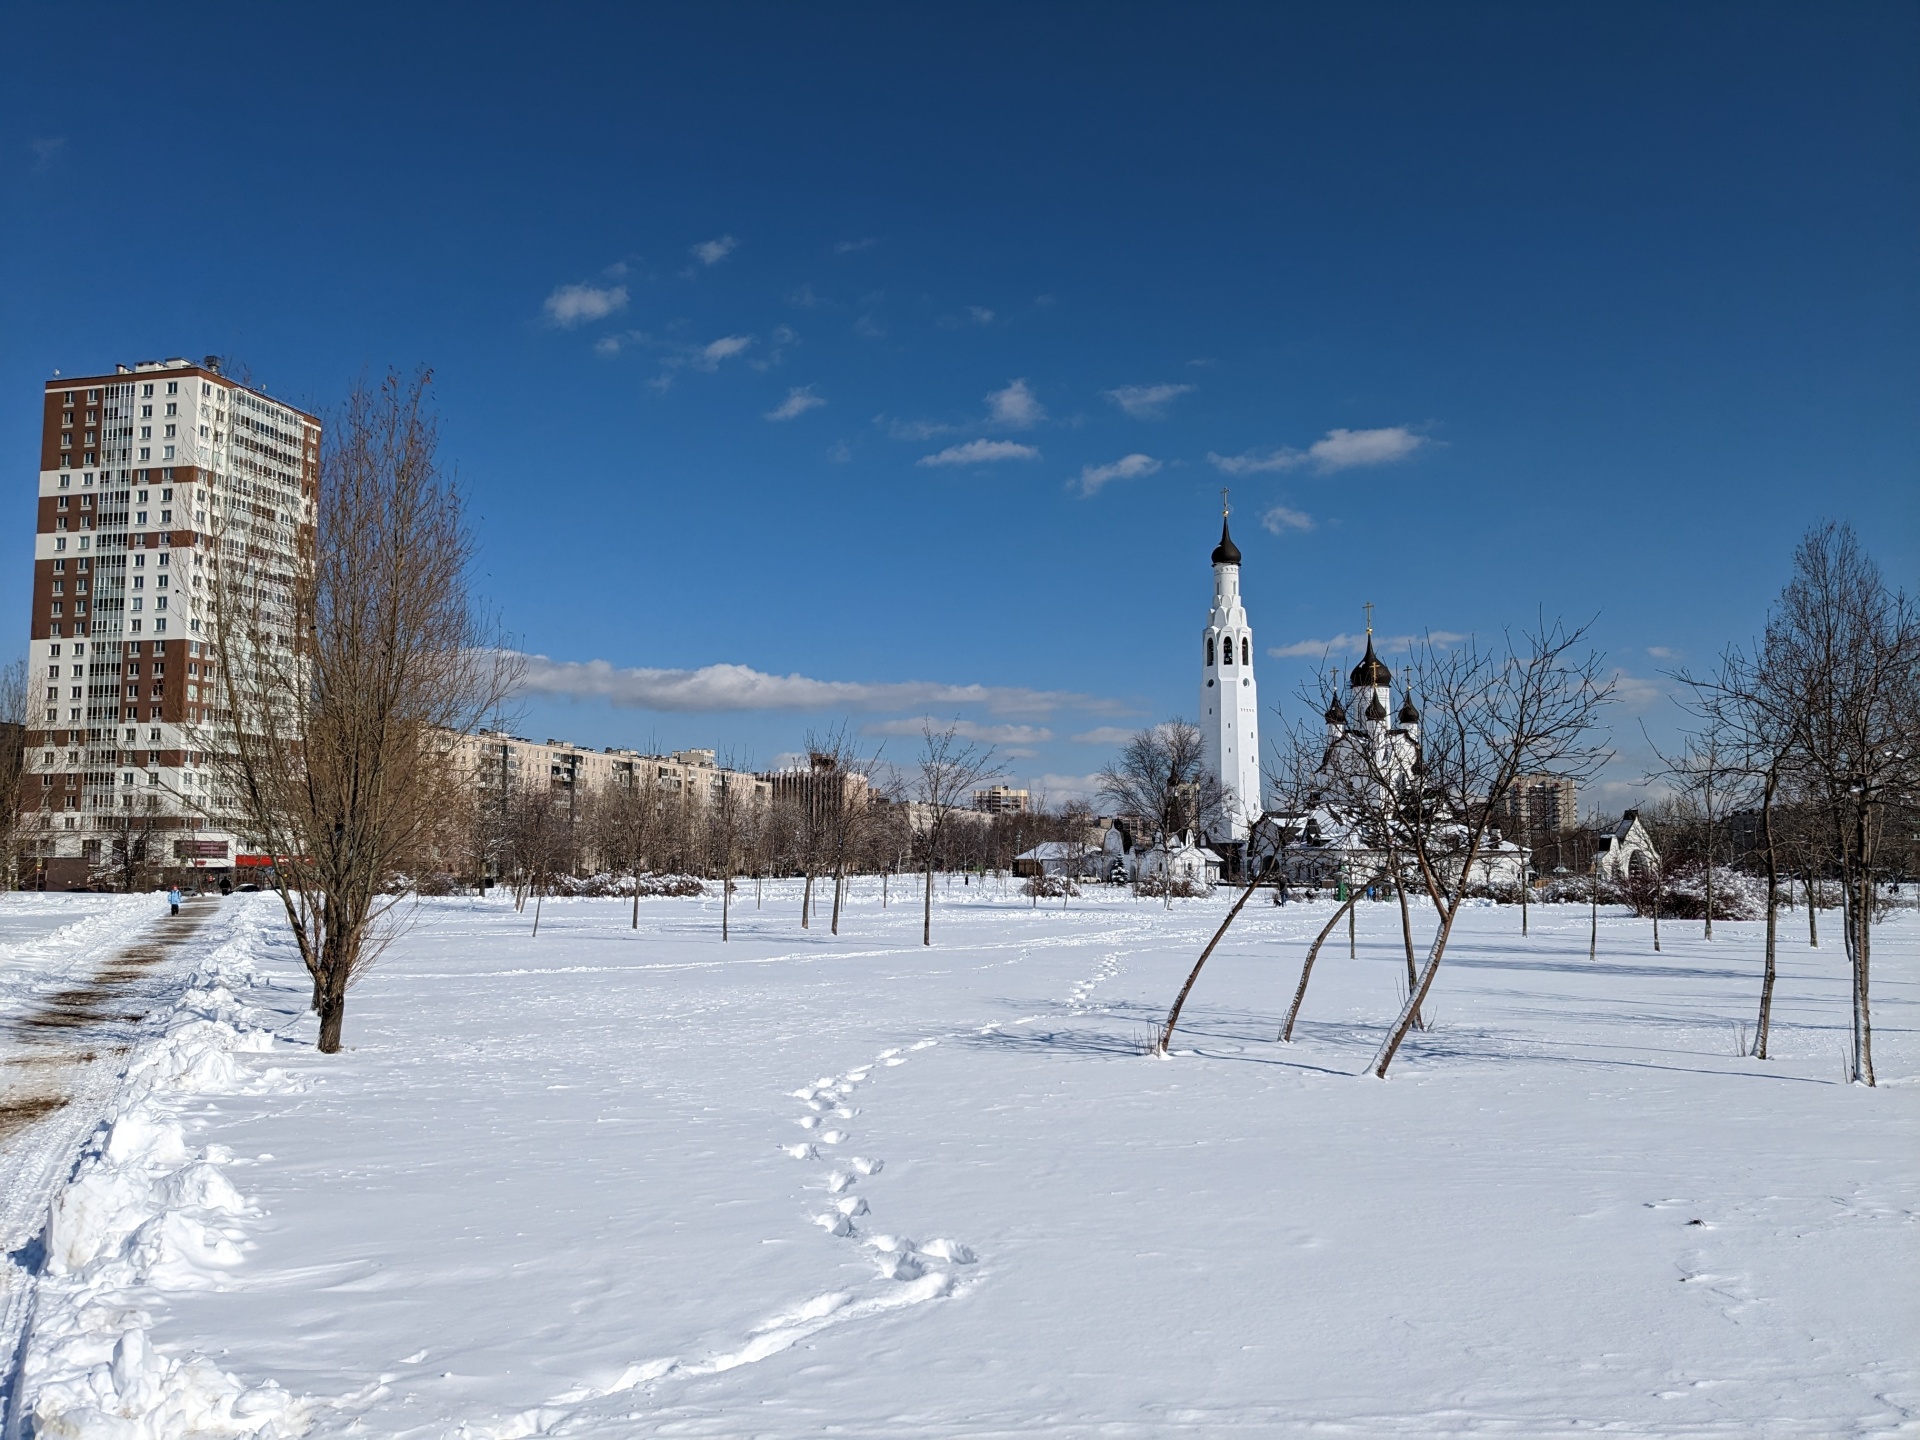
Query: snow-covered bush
x=1049, y=887
x=607, y=885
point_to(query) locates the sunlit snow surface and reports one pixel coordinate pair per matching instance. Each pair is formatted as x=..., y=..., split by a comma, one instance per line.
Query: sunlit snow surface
x=607, y=1182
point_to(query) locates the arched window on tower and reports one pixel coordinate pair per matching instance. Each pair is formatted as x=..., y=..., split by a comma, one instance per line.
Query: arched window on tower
x=1209, y=644
x=1226, y=650
x=1246, y=649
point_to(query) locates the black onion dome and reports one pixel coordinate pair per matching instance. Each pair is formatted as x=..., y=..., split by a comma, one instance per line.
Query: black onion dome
x=1376, y=712
x=1226, y=552
x=1370, y=672
x=1409, y=715
x=1336, y=712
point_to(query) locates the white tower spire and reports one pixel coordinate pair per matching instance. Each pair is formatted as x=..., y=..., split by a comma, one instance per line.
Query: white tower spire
x=1229, y=700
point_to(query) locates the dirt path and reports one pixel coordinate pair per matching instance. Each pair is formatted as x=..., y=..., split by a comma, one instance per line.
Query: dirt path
x=62, y=1052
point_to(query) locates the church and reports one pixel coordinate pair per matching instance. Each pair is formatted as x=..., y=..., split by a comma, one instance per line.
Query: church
x=1372, y=751
x=1229, y=699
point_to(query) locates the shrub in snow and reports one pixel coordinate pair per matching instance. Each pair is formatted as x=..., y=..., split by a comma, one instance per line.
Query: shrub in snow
x=1181, y=887
x=605, y=885
x=1049, y=887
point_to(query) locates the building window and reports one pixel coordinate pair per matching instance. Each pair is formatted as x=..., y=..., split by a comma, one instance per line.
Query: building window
x=1246, y=650
x=1209, y=645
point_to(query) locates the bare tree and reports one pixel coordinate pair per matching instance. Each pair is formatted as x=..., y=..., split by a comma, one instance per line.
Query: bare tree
x=1491, y=716
x=946, y=773
x=1707, y=771
x=540, y=842
x=13, y=767
x=1162, y=779
x=1843, y=651
x=729, y=816
x=345, y=683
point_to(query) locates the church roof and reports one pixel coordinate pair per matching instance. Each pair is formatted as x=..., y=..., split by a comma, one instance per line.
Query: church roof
x=1409, y=715
x=1336, y=712
x=1226, y=552
x=1370, y=672
x=1375, y=710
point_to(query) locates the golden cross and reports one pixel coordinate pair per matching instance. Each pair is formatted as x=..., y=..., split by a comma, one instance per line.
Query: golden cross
x=1369, y=609
x=1225, y=509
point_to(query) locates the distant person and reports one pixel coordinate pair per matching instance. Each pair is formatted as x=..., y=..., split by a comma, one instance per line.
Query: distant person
x=173, y=899
x=226, y=885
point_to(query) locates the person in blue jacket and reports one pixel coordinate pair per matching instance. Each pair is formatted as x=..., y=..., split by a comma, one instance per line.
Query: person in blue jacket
x=173, y=899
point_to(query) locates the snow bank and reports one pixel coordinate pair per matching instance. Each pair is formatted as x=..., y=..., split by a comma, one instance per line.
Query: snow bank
x=145, y=1215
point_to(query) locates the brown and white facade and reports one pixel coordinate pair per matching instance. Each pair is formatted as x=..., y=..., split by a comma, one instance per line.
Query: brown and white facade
x=146, y=476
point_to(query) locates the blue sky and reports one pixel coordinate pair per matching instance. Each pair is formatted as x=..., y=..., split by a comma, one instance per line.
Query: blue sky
x=905, y=350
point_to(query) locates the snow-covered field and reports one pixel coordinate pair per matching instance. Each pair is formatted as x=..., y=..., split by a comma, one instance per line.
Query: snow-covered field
x=608, y=1183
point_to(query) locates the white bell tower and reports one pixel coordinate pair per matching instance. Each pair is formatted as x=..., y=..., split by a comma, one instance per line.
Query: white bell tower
x=1229, y=700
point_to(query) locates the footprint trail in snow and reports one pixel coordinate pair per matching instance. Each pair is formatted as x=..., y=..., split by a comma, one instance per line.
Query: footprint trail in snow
x=910, y=1272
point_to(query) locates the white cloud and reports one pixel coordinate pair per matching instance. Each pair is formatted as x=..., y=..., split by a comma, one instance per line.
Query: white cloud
x=965, y=729
x=1343, y=449
x=1355, y=644
x=980, y=452
x=725, y=348
x=980, y=314
x=840, y=452
x=571, y=305
x=849, y=247
x=607, y=345
x=1015, y=407
x=1055, y=788
x=740, y=687
x=1147, y=402
x=805, y=298
x=712, y=252
x=1280, y=520
x=1635, y=694
x=1663, y=652
x=1336, y=450
x=800, y=399
x=870, y=326
x=1103, y=735
x=1252, y=462
x=915, y=429
x=1127, y=467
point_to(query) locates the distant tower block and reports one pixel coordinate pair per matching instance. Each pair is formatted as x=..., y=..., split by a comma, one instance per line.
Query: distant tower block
x=1229, y=699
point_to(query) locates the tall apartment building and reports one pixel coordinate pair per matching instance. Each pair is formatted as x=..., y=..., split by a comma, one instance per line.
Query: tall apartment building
x=146, y=475
x=1543, y=805
x=1002, y=800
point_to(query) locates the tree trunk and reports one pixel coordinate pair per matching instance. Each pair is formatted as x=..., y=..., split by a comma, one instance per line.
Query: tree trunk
x=1709, y=873
x=1417, y=998
x=1524, y=888
x=726, y=902
x=806, y=900
x=1813, y=923
x=838, y=882
x=884, y=874
x=636, y=899
x=1657, y=882
x=1306, y=969
x=926, y=914
x=1173, y=1015
x=1406, y=931
x=1353, y=916
x=1593, y=914
x=1765, y=1020
x=333, y=1015
x=538, y=900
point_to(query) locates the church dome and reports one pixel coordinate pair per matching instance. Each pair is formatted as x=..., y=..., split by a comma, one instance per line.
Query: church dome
x=1336, y=712
x=1226, y=552
x=1369, y=672
x=1376, y=712
x=1409, y=715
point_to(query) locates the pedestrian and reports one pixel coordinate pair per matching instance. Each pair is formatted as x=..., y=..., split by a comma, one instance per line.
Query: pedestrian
x=226, y=885
x=173, y=899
